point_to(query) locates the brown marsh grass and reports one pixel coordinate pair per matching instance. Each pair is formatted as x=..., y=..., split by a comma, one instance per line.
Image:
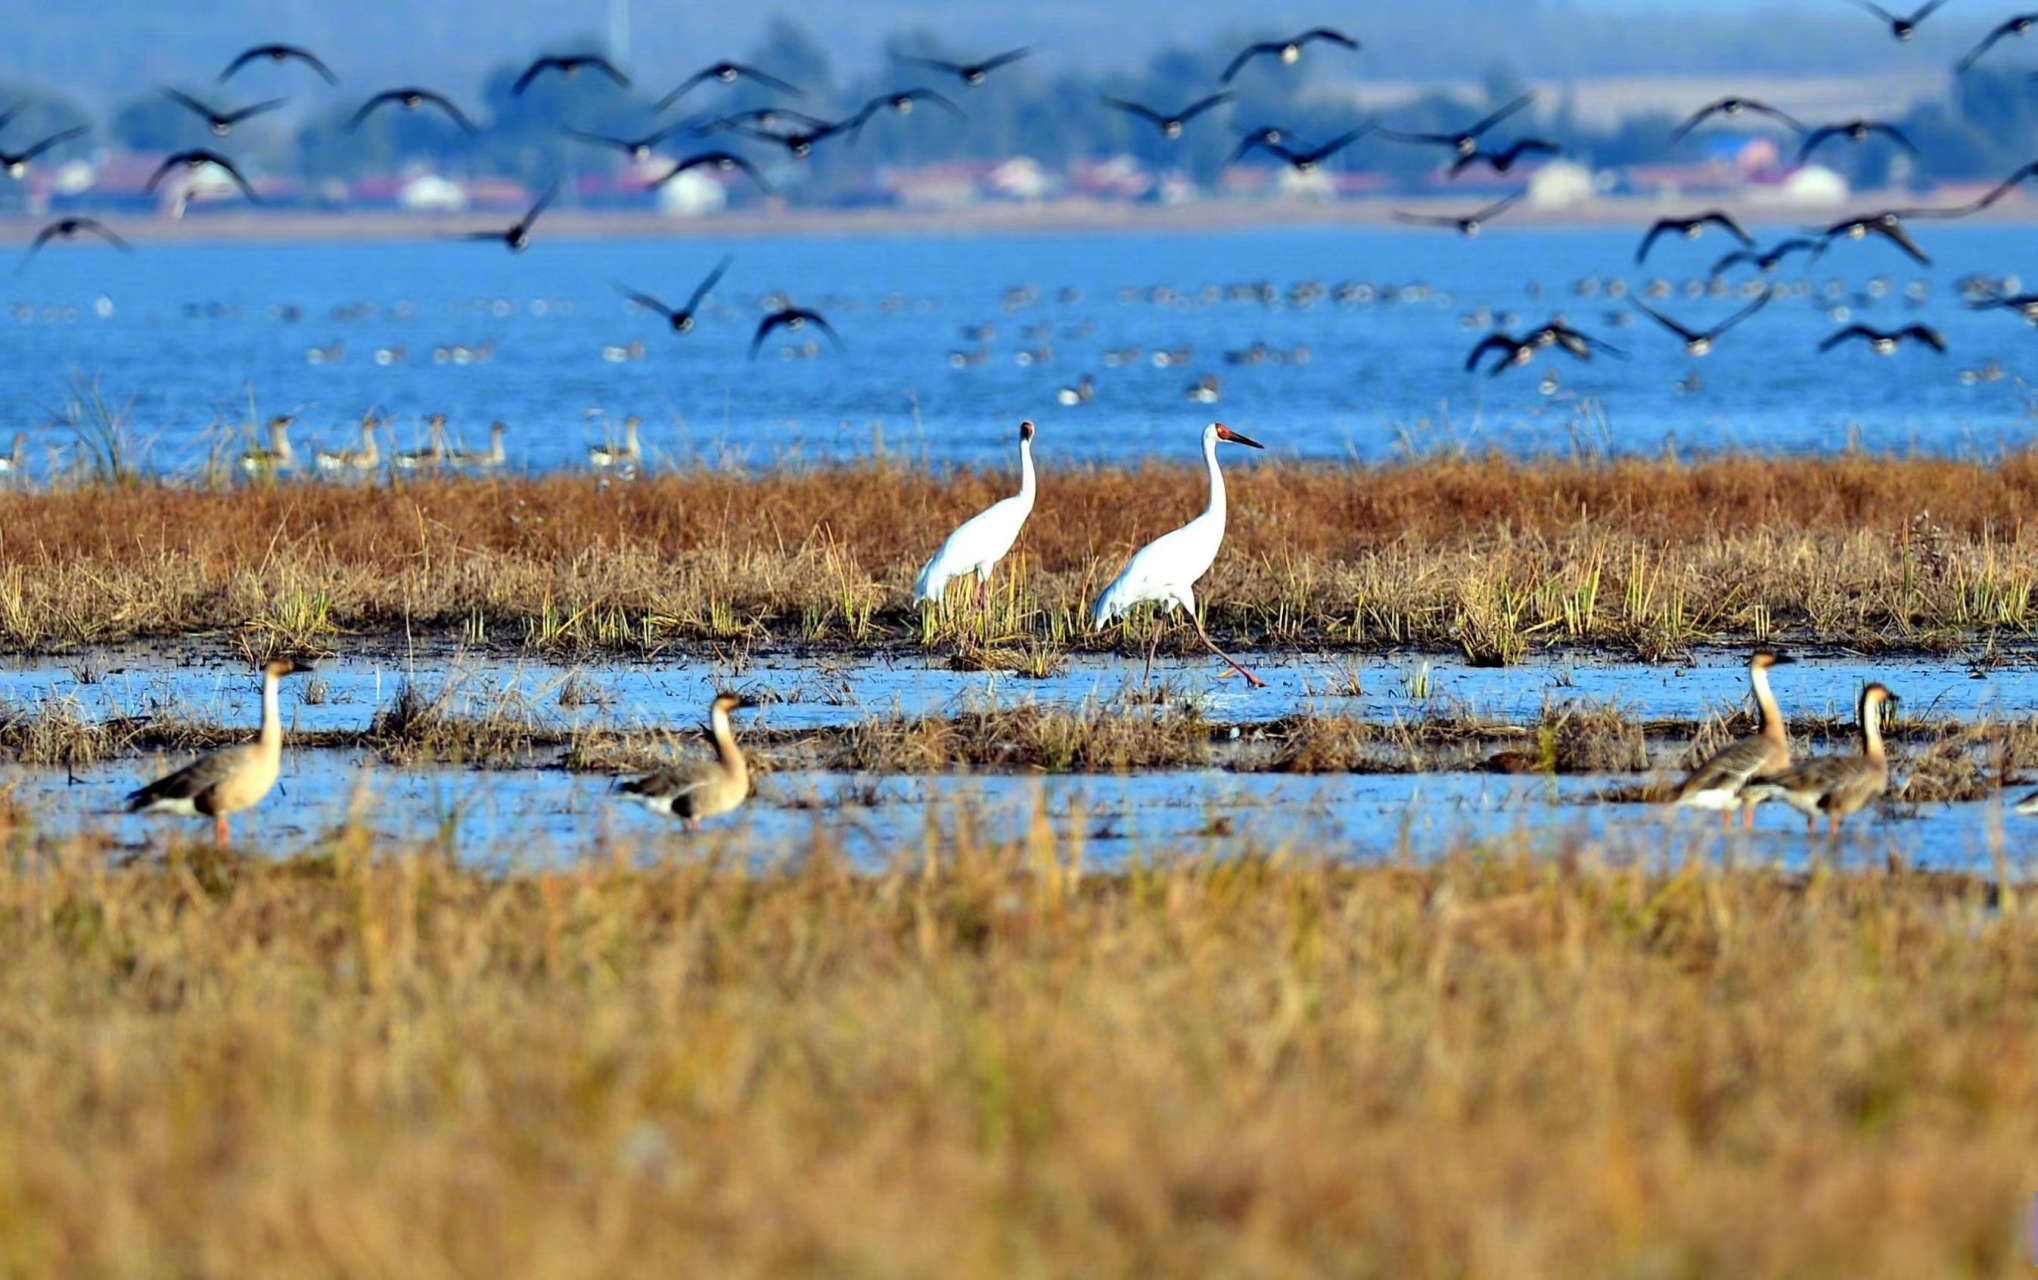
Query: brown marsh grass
x=990, y=1062
x=1490, y=557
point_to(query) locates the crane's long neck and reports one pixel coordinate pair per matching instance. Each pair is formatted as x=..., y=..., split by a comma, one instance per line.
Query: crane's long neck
x=1766, y=708
x=272, y=718
x=1215, y=511
x=1870, y=716
x=1026, y=474
x=732, y=760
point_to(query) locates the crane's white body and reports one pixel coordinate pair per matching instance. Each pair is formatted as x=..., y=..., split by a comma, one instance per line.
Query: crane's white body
x=984, y=539
x=1165, y=571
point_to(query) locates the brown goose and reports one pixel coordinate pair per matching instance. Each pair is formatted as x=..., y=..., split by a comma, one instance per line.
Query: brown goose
x=1722, y=782
x=1837, y=785
x=228, y=781
x=691, y=792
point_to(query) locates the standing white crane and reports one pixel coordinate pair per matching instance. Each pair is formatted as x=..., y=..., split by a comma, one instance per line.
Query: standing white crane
x=1165, y=570
x=983, y=539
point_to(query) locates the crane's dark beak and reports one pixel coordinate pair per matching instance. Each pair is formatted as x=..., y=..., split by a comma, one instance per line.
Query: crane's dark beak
x=1226, y=433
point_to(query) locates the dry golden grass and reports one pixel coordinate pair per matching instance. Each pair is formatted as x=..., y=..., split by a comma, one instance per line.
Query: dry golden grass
x=1488, y=556
x=369, y=1063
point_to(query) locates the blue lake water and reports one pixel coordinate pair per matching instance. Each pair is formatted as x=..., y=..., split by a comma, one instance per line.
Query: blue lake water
x=204, y=338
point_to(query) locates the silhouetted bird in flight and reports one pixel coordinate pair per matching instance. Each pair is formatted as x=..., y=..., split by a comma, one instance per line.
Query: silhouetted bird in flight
x=568, y=65
x=278, y=54
x=1698, y=343
x=1854, y=131
x=1304, y=161
x=1988, y=198
x=1465, y=141
x=1467, y=225
x=1901, y=27
x=2015, y=27
x=198, y=158
x=69, y=229
x=220, y=122
x=722, y=161
x=1513, y=351
x=518, y=235
x=1889, y=225
x=972, y=74
x=727, y=73
x=680, y=318
x=1691, y=228
x=1885, y=343
x=1732, y=109
x=1170, y=126
x=1265, y=135
x=800, y=143
x=903, y=101
x=1768, y=260
x=1286, y=51
x=1505, y=159
x=1576, y=341
x=7, y=116
x=790, y=319
x=15, y=163
x=411, y=98
x=638, y=149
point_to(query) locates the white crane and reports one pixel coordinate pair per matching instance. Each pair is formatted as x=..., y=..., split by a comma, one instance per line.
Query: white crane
x=983, y=539
x=1165, y=570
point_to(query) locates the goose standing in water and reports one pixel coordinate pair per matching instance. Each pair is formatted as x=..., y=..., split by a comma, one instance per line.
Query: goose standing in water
x=258, y=461
x=982, y=540
x=483, y=459
x=1164, y=571
x=1723, y=781
x=433, y=454
x=623, y=458
x=228, y=781
x=1837, y=786
x=691, y=792
x=364, y=459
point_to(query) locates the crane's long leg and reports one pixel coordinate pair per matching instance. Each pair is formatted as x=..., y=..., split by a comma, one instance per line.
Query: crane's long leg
x=1250, y=678
x=1159, y=621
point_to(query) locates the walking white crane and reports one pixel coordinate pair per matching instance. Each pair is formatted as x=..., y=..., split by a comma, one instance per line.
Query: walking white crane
x=1165, y=571
x=982, y=540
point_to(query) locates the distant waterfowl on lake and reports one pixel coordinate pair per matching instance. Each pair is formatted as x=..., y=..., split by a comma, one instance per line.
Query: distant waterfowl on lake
x=367, y=458
x=623, y=457
x=277, y=456
x=489, y=459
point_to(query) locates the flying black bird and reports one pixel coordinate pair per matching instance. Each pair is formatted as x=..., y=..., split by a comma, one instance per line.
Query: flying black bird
x=1886, y=343
x=1505, y=159
x=7, y=116
x=410, y=98
x=1732, y=108
x=972, y=74
x=903, y=101
x=221, y=122
x=69, y=228
x=764, y=118
x=799, y=143
x=1513, y=351
x=1888, y=224
x=1465, y=141
x=1768, y=260
x=15, y=163
x=1696, y=343
x=680, y=318
x=1854, y=131
x=1288, y=51
x=1467, y=226
x=1576, y=341
x=568, y=65
x=724, y=162
x=1171, y=125
x=198, y=158
x=518, y=236
x=1305, y=161
x=1264, y=136
x=1899, y=26
x=2018, y=26
x=2024, y=304
x=727, y=73
x=278, y=54
x=790, y=318
x=1692, y=228
x=1988, y=198
x=638, y=149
